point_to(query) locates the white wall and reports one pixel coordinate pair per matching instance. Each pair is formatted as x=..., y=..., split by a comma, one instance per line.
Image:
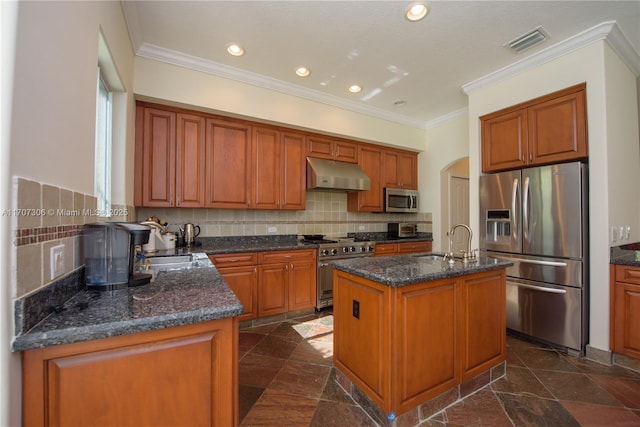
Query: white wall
x=609, y=83
x=51, y=126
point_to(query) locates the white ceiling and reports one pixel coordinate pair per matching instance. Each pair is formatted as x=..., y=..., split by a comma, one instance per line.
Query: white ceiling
x=371, y=43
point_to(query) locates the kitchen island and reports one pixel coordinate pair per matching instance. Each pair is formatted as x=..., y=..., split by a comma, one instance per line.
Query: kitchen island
x=165, y=353
x=411, y=328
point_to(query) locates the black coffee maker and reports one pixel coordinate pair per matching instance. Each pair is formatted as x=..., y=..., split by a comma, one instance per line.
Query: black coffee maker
x=110, y=254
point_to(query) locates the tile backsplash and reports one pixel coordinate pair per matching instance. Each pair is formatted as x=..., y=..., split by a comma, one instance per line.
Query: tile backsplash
x=44, y=216
x=326, y=213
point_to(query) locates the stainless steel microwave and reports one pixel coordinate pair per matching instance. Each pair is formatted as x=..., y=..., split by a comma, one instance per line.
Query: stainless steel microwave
x=399, y=200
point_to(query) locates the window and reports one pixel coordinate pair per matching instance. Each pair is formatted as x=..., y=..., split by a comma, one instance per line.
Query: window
x=103, y=147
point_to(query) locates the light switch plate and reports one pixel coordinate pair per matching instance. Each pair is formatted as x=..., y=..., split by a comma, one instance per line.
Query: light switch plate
x=57, y=261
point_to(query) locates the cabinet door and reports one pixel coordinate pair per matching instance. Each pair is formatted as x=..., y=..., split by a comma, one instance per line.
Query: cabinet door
x=293, y=172
x=175, y=376
x=383, y=249
x=557, y=129
x=504, y=141
x=414, y=247
x=190, y=160
x=302, y=285
x=320, y=148
x=390, y=170
x=408, y=171
x=266, y=169
x=228, y=164
x=345, y=151
x=158, y=158
x=484, y=324
x=243, y=281
x=272, y=289
x=427, y=322
x=370, y=160
x=626, y=311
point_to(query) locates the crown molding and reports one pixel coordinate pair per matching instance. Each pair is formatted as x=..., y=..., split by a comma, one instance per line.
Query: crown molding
x=608, y=31
x=158, y=53
x=447, y=117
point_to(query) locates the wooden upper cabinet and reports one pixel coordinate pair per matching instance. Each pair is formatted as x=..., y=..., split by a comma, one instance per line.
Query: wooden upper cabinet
x=266, y=168
x=227, y=164
x=557, y=129
x=190, y=165
x=370, y=160
x=549, y=129
x=504, y=141
x=400, y=170
x=278, y=170
x=332, y=149
x=156, y=163
x=293, y=168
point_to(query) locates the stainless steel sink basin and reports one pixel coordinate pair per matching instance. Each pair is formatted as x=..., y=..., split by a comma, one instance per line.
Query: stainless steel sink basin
x=434, y=257
x=169, y=262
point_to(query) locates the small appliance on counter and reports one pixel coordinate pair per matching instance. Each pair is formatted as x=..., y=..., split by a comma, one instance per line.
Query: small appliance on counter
x=190, y=233
x=110, y=251
x=402, y=230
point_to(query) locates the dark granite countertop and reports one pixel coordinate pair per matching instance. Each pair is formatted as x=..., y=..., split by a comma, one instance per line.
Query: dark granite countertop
x=176, y=297
x=628, y=254
x=401, y=270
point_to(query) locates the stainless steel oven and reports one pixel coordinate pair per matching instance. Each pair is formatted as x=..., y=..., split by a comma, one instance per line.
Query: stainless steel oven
x=342, y=248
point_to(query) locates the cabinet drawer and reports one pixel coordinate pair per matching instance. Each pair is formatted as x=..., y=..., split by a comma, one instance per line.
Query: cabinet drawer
x=404, y=248
x=386, y=249
x=275, y=257
x=234, y=260
x=627, y=274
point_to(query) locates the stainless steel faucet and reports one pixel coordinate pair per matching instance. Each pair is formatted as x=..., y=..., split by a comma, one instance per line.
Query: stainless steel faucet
x=468, y=255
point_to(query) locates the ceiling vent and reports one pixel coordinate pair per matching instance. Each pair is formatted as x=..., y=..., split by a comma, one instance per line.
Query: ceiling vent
x=530, y=39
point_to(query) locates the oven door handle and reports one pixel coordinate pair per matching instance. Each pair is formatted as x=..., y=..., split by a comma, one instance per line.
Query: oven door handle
x=323, y=264
x=539, y=288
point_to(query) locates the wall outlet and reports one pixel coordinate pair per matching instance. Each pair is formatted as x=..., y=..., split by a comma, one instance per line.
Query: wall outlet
x=361, y=227
x=627, y=232
x=621, y=232
x=272, y=229
x=614, y=234
x=56, y=254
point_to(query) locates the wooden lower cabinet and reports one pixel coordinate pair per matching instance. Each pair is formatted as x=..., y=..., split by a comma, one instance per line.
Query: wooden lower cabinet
x=384, y=249
x=405, y=345
x=286, y=281
x=240, y=271
x=625, y=310
x=270, y=283
x=186, y=375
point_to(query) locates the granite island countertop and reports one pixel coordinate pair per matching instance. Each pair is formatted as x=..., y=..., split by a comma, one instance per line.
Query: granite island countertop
x=177, y=296
x=628, y=254
x=402, y=270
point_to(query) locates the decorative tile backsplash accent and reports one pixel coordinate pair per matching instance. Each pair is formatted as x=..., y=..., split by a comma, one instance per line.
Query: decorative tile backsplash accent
x=44, y=216
x=326, y=213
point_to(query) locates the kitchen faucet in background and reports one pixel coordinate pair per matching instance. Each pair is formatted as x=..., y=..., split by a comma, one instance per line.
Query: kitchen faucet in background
x=468, y=255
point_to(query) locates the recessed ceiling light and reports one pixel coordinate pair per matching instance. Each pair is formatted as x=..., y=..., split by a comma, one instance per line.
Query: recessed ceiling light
x=235, y=50
x=416, y=12
x=354, y=88
x=303, y=71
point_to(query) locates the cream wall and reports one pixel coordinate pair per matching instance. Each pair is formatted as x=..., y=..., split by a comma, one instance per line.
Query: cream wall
x=609, y=88
x=52, y=134
x=446, y=143
x=211, y=93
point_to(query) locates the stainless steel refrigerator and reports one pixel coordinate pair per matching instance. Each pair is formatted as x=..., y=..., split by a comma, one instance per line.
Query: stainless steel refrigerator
x=538, y=219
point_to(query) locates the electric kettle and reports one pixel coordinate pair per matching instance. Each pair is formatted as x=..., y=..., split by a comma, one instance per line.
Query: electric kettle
x=190, y=233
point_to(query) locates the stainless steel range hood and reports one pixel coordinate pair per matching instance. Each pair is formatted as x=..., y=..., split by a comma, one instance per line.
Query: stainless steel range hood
x=330, y=175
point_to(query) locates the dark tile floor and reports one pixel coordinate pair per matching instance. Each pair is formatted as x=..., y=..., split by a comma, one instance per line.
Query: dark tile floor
x=286, y=379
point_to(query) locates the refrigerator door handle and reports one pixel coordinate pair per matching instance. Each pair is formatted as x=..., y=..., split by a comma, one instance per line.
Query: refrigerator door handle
x=535, y=261
x=514, y=195
x=540, y=288
x=525, y=209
